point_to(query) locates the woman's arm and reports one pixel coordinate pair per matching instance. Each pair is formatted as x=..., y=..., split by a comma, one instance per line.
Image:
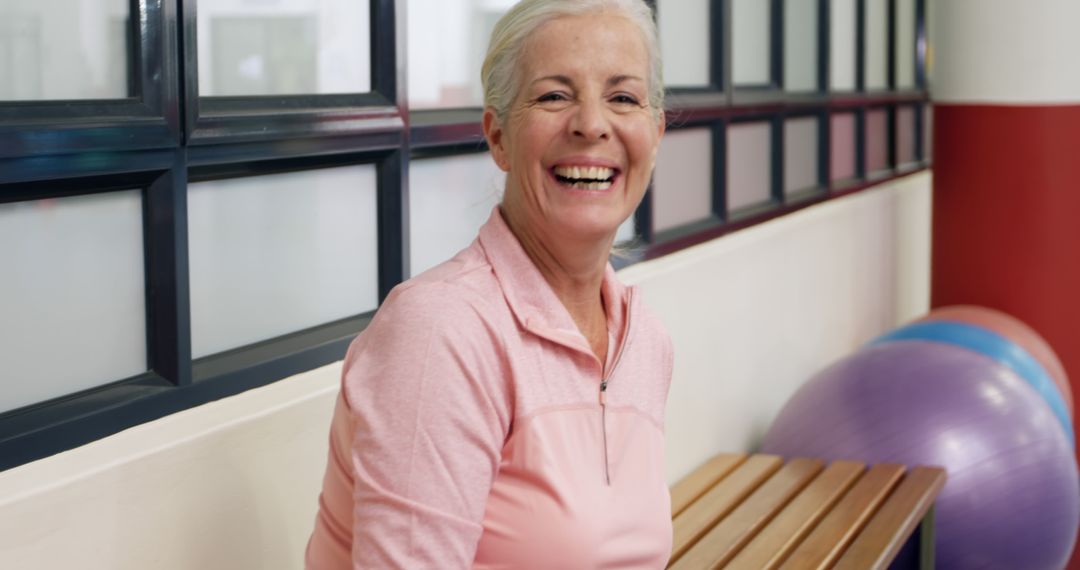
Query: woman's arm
x=429, y=393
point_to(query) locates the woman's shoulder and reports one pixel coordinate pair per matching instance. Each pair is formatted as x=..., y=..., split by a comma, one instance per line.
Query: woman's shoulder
x=651, y=325
x=452, y=296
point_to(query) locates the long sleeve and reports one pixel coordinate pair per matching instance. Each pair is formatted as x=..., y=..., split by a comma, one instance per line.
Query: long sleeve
x=428, y=390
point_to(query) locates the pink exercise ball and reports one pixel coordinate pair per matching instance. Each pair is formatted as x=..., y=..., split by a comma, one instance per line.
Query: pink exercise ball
x=1019, y=333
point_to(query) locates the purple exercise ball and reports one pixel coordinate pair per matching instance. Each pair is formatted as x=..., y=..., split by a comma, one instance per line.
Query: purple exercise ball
x=1012, y=498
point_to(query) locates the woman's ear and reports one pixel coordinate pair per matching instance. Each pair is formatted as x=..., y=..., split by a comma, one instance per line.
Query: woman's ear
x=493, y=132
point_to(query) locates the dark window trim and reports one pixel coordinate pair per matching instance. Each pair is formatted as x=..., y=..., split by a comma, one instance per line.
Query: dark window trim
x=693, y=234
x=920, y=44
x=126, y=146
x=429, y=129
x=148, y=118
x=461, y=128
x=37, y=431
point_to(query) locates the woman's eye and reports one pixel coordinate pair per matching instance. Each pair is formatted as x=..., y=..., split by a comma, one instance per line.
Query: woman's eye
x=625, y=99
x=555, y=96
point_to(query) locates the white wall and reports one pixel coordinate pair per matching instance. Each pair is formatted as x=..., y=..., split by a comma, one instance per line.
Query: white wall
x=754, y=314
x=233, y=484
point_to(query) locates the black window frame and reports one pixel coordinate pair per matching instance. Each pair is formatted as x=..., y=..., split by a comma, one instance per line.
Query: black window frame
x=166, y=136
x=158, y=141
x=148, y=118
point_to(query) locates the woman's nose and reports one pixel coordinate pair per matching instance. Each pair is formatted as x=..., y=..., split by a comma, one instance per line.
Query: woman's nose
x=590, y=123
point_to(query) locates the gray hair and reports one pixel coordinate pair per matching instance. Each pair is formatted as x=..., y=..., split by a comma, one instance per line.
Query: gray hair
x=499, y=74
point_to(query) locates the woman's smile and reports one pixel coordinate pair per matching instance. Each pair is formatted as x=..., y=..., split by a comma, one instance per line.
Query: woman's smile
x=593, y=175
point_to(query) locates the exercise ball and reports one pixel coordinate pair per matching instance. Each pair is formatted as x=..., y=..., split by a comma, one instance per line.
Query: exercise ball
x=1012, y=498
x=1018, y=332
x=995, y=346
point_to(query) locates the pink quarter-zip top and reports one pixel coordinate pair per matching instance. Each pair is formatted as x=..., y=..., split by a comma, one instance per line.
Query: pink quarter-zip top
x=476, y=428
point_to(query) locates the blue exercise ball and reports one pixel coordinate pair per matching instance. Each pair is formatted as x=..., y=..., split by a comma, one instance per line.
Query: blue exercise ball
x=1012, y=498
x=1001, y=349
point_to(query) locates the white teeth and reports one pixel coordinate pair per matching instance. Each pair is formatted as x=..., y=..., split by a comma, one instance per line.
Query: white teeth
x=591, y=185
x=585, y=172
x=593, y=178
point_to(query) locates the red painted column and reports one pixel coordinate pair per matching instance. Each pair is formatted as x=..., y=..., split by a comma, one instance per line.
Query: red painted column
x=1006, y=165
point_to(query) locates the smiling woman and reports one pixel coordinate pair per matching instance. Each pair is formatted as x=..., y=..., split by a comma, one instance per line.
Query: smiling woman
x=505, y=408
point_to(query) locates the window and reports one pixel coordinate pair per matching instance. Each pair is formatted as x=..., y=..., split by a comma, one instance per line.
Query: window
x=682, y=189
x=237, y=209
x=749, y=165
x=802, y=155
x=179, y=245
x=73, y=286
x=305, y=47
x=64, y=50
x=301, y=242
x=684, y=42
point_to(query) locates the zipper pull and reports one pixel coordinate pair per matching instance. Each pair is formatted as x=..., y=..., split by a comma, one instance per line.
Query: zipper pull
x=603, y=392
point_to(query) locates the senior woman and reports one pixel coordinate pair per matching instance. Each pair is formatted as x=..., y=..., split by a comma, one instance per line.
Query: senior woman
x=505, y=409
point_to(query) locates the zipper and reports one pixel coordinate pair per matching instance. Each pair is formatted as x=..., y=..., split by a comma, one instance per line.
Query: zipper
x=604, y=382
x=603, y=430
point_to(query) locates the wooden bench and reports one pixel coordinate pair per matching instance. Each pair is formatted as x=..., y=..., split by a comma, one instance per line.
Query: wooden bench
x=742, y=511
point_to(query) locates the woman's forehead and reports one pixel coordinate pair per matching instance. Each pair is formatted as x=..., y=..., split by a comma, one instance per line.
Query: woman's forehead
x=604, y=44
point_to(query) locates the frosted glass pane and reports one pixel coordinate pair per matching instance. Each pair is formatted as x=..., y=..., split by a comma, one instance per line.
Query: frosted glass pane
x=800, y=45
x=72, y=298
x=750, y=42
x=905, y=135
x=842, y=45
x=284, y=47
x=928, y=132
x=877, y=157
x=800, y=154
x=449, y=199
x=842, y=147
x=684, y=41
x=877, y=38
x=682, y=183
x=447, y=40
x=749, y=177
x=905, y=44
x=64, y=49
x=279, y=253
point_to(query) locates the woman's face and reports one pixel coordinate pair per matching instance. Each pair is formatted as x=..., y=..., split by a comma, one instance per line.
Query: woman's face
x=580, y=140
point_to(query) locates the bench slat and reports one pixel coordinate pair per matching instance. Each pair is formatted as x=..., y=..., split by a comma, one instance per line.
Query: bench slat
x=694, y=485
x=718, y=501
x=887, y=532
x=823, y=547
x=723, y=541
x=780, y=537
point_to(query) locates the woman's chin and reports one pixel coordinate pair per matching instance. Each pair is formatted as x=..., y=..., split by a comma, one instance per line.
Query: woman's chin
x=585, y=226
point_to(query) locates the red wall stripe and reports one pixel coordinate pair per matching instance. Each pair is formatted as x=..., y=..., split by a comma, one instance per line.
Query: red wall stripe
x=1006, y=221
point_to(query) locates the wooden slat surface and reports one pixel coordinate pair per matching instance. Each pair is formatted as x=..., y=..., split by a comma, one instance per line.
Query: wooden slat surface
x=720, y=544
x=780, y=537
x=895, y=521
x=720, y=500
x=823, y=547
x=702, y=479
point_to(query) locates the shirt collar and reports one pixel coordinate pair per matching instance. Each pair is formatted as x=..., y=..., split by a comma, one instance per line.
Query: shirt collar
x=529, y=295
